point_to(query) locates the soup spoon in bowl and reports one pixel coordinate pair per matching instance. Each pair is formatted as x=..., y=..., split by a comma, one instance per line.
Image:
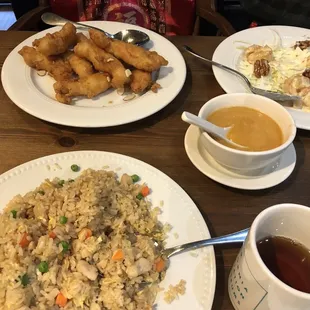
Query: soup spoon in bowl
x=210, y=128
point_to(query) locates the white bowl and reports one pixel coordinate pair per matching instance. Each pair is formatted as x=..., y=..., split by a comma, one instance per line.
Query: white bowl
x=244, y=161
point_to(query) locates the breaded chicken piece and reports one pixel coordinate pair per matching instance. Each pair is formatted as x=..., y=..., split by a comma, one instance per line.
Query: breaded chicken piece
x=103, y=61
x=89, y=86
x=58, y=42
x=55, y=66
x=99, y=38
x=80, y=66
x=155, y=87
x=133, y=55
x=140, y=81
x=258, y=52
x=80, y=37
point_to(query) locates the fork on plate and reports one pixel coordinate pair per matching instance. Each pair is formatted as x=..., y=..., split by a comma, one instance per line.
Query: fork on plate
x=258, y=91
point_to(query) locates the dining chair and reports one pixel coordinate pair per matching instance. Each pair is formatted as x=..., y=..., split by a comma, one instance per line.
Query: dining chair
x=31, y=21
x=207, y=10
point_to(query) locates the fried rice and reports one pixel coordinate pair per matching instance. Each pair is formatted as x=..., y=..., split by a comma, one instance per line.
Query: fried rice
x=80, y=244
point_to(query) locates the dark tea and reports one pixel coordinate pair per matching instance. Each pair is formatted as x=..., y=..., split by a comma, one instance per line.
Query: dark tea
x=288, y=260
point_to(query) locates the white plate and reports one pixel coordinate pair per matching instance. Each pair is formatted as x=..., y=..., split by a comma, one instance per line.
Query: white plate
x=206, y=164
x=178, y=210
x=227, y=53
x=35, y=94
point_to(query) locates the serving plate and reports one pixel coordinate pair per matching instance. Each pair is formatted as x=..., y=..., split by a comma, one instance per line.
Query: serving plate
x=35, y=95
x=199, y=270
x=229, y=53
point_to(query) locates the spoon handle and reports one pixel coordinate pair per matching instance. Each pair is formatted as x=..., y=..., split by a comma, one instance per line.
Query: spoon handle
x=237, y=237
x=216, y=64
x=205, y=125
x=56, y=20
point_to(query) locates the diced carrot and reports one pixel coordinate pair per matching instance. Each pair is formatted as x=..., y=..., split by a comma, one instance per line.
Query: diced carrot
x=118, y=255
x=52, y=235
x=24, y=242
x=61, y=300
x=160, y=265
x=84, y=234
x=88, y=233
x=145, y=191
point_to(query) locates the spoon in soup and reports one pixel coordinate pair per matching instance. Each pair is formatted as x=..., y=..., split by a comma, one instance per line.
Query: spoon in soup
x=210, y=128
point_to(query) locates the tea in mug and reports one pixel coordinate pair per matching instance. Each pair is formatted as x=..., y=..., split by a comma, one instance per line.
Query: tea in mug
x=288, y=260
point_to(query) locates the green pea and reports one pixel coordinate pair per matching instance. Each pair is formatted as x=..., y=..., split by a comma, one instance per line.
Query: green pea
x=135, y=178
x=14, y=213
x=43, y=267
x=75, y=168
x=61, y=183
x=63, y=220
x=41, y=192
x=139, y=196
x=65, y=246
x=71, y=181
x=24, y=279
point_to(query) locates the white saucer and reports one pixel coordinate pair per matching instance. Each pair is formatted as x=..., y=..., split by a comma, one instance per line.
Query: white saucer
x=268, y=177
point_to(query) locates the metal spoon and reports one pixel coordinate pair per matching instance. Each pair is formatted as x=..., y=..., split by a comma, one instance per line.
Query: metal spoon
x=237, y=237
x=129, y=35
x=209, y=127
x=266, y=93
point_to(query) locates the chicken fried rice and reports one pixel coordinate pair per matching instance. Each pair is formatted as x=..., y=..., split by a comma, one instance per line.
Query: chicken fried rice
x=86, y=243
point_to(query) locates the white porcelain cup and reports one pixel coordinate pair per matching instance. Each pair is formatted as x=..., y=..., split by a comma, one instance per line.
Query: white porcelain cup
x=244, y=161
x=251, y=284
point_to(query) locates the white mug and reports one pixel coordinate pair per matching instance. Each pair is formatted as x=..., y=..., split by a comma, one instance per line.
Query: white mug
x=251, y=285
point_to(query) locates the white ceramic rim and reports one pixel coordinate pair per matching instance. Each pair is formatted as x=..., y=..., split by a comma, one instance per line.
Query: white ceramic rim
x=20, y=87
x=252, y=240
x=255, y=154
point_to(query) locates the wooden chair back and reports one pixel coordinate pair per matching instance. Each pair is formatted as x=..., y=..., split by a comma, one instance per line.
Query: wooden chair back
x=31, y=21
x=207, y=10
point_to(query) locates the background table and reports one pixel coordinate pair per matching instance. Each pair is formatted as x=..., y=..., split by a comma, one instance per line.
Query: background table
x=159, y=141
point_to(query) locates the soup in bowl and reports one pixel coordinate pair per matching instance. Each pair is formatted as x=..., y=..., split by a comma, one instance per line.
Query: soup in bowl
x=250, y=128
x=260, y=124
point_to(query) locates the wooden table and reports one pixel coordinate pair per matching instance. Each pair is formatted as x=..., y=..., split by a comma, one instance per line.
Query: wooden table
x=158, y=140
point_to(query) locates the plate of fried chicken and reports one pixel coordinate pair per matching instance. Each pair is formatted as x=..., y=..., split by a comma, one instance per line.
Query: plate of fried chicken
x=85, y=79
x=274, y=58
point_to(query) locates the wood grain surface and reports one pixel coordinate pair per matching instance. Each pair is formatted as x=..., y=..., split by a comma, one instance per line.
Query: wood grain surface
x=158, y=140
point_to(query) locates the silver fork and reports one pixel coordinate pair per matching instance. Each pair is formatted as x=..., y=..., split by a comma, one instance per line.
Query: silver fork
x=236, y=237
x=258, y=91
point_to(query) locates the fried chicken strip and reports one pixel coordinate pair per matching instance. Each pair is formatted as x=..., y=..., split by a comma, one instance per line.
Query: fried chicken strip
x=80, y=37
x=140, y=81
x=103, y=61
x=89, y=86
x=80, y=66
x=133, y=55
x=55, y=66
x=58, y=42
